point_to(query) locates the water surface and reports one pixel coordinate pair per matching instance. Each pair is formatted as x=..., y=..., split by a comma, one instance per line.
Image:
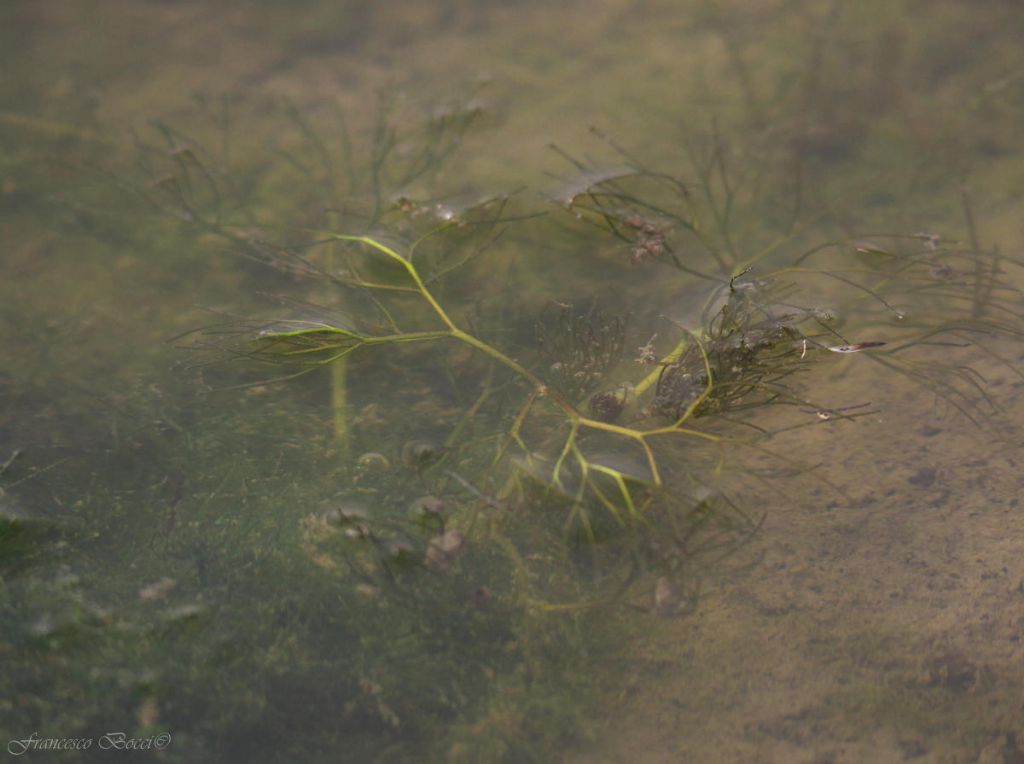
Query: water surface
x=375, y=571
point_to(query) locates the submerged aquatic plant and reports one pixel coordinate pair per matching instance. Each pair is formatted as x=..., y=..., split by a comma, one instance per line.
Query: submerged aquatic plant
x=566, y=403
x=591, y=428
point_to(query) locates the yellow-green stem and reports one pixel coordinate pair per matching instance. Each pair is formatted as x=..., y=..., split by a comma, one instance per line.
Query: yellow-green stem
x=339, y=390
x=339, y=406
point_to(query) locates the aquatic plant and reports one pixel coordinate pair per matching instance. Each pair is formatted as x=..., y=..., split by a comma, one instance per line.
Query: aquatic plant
x=549, y=450
x=592, y=428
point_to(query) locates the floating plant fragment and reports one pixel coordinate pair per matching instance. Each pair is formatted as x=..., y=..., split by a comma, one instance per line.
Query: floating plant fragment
x=856, y=348
x=444, y=550
x=456, y=210
x=588, y=182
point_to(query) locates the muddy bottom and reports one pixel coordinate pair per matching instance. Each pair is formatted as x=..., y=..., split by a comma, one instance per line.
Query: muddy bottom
x=883, y=628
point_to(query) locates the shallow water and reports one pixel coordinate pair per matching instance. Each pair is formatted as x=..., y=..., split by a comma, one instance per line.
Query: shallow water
x=250, y=569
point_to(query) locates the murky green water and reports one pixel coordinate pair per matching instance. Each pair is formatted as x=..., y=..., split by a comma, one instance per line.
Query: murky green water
x=465, y=489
